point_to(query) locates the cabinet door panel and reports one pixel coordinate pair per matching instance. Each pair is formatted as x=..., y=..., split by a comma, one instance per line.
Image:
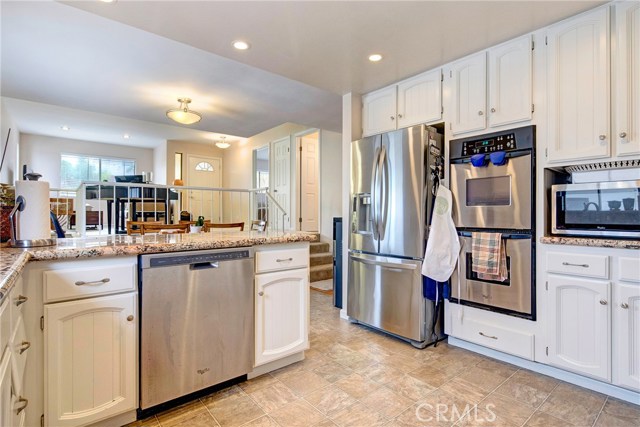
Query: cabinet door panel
x=469, y=93
x=626, y=335
x=6, y=396
x=627, y=87
x=578, y=87
x=90, y=363
x=579, y=312
x=510, y=82
x=282, y=314
x=379, y=111
x=420, y=99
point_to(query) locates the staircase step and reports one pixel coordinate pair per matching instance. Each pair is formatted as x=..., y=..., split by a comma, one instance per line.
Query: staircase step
x=321, y=272
x=321, y=259
x=318, y=247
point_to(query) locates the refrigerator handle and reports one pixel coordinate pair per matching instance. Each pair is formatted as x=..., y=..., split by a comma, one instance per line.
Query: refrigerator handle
x=384, y=193
x=374, y=195
x=382, y=264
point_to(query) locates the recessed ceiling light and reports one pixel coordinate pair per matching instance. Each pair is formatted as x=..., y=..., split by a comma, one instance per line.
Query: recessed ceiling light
x=375, y=57
x=126, y=136
x=65, y=128
x=240, y=45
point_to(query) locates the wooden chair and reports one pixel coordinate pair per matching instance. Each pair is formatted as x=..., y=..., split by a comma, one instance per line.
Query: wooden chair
x=258, y=225
x=210, y=225
x=135, y=227
x=153, y=227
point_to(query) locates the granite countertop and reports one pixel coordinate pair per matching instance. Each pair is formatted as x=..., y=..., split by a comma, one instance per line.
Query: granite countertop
x=591, y=241
x=12, y=260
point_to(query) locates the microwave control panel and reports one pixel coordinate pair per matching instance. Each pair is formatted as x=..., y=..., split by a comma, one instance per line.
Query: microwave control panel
x=505, y=142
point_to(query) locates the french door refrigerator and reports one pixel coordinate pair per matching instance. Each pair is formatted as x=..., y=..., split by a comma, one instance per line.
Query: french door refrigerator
x=394, y=177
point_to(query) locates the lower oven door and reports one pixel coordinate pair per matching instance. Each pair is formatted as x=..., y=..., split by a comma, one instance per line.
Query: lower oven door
x=514, y=295
x=386, y=293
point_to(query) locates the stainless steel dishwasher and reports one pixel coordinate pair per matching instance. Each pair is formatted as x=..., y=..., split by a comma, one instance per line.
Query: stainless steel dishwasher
x=197, y=321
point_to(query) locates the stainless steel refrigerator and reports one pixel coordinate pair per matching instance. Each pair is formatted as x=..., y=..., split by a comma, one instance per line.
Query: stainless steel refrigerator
x=393, y=182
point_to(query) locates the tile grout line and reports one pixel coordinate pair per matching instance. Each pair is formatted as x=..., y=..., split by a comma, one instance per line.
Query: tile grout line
x=543, y=402
x=601, y=409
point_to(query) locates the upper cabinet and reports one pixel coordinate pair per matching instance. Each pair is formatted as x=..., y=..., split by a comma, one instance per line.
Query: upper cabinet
x=627, y=79
x=578, y=87
x=410, y=102
x=509, y=87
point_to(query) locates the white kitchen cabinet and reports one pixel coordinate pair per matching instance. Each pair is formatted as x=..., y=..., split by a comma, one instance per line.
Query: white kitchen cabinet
x=379, y=111
x=469, y=93
x=578, y=89
x=90, y=359
x=510, y=77
x=6, y=395
x=579, y=325
x=626, y=335
x=420, y=99
x=627, y=79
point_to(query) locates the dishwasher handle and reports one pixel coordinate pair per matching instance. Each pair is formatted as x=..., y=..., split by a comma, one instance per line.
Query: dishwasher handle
x=203, y=265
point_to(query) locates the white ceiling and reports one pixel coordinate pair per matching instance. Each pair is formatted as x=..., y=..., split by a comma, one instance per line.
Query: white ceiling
x=132, y=59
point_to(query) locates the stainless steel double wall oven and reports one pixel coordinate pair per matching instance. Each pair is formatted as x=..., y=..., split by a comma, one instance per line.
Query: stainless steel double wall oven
x=496, y=193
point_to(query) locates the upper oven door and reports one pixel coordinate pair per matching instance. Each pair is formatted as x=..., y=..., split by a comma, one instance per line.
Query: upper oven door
x=493, y=196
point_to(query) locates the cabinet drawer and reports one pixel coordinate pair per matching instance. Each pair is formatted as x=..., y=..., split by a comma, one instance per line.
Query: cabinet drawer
x=281, y=259
x=67, y=284
x=629, y=269
x=499, y=338
x=596, y=266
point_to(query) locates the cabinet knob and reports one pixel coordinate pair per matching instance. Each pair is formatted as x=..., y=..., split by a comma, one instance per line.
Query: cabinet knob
x=21, y=299
x=602, y=137
x=260, y=293
x=480, y=113
x=623, y=134
x=399, y=116
x=603, y=302
x=493, y=110
x=624, y=305
x=130, y=318
x=393, y=118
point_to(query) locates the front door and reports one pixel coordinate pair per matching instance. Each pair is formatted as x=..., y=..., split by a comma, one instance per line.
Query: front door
x=281, y=182
x=204, y=172
x=308, y=174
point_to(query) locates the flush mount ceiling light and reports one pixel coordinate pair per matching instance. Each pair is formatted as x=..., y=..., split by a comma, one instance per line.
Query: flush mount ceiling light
x=182, y=114
x=241, y=45
x=375, y=57
x=222, y=143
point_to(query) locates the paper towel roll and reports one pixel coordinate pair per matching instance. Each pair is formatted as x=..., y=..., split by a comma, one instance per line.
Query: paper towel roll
x=33, y=221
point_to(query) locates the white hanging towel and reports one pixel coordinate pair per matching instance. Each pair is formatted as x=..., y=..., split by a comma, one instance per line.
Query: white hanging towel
x=443, y=246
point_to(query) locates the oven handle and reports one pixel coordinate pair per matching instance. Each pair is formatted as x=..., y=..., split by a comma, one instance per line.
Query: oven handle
x=511, y=236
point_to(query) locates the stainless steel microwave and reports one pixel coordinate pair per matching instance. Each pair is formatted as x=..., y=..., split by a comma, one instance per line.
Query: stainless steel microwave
x=600, y=209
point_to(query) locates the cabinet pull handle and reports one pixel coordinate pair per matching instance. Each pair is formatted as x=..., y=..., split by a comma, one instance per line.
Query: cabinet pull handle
x=24, y=346
x=493, y=110
x=21, y=400
x=576, y=265
x=393, y=118
x=480, y=113
x=602, y=137
x=488, y=336
x=93, y=283
x=260, y=293
x=624, y=305
x=603, y=302
x=284, y=260
x=21, y=299
x=623, y=134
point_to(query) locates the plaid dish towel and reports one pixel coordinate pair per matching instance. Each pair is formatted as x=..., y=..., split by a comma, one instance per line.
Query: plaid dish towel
x=489, y=256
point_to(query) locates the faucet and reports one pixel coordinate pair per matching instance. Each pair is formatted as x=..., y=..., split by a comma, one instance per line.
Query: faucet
x=586, y=206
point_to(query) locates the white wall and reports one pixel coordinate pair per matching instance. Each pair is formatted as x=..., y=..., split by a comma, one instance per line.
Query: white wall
x=160, y=164
x=42, y=154
x=330, y=182
x=11, y=167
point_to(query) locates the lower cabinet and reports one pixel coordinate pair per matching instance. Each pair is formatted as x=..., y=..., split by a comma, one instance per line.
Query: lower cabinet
x=579, y=336
x=90, y=359
x=626, y=338
x=282, y=314
x=6, y=394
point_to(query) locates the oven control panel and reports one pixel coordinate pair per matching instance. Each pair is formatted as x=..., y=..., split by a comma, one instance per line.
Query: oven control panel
x=504, y=142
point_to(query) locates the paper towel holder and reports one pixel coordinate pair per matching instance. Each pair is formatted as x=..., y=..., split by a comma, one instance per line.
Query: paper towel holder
x=17, y=243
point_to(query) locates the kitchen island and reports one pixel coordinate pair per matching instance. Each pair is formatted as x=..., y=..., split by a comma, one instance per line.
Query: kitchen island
x=70, y=320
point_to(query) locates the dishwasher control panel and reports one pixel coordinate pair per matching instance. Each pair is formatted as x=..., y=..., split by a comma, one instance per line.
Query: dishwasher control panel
x=197, y=258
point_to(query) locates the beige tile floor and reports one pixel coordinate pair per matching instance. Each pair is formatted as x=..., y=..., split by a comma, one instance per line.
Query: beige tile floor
x=353, y=376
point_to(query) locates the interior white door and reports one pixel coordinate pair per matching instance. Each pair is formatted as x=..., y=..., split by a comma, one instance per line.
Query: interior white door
x=280, y=178
x=580, y=326
x=90, y=359
x=626, y=335
x=469, y=93
x=309, y=183
x=204, y=172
